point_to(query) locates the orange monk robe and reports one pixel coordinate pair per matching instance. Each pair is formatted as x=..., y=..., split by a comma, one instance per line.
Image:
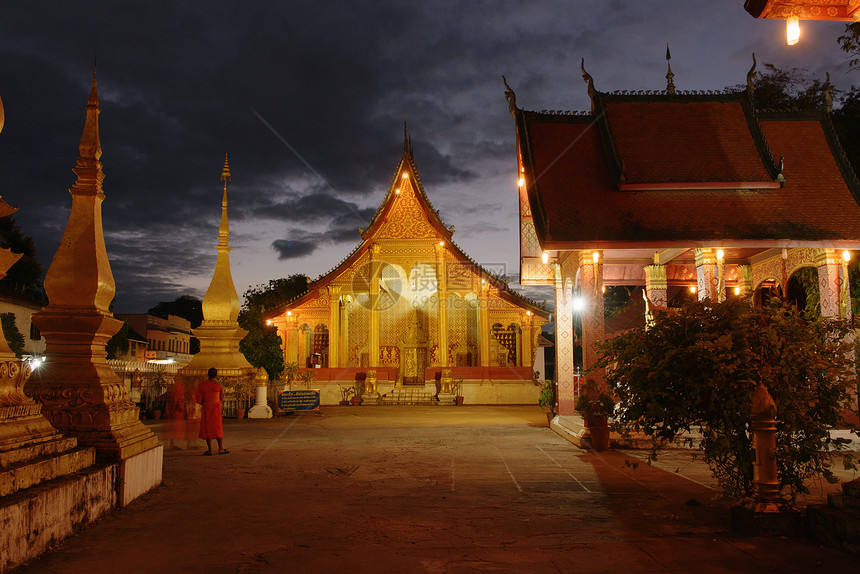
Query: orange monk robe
x=209, y=394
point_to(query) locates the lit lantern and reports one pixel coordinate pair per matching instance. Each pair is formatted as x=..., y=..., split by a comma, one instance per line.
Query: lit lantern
x=405, y=175
x=692, y=288
x=846, y=255
x=737, y=290
x=595, y=256
x=792, y=30
x=545, y=257
x=720, y=254
x=521, y=182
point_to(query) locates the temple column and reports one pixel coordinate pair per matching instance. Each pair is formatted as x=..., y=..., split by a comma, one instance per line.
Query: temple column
x=442, y=299
x=745, y=281
x=373, y=344
x=593, y=328
x=302, y=346
x=484, y=322
x=344, y=338
x=655, y=291
x=832, y=284
x=334, y=326
x=656, y=286
x=564, y=335
x=707, y=275
x=525, y=343
x=291, y=340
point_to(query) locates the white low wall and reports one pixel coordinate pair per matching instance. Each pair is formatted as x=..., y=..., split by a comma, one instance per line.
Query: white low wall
x=39, y=518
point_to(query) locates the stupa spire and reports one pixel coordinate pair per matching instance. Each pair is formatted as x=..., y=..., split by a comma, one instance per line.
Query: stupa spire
x=221, y=302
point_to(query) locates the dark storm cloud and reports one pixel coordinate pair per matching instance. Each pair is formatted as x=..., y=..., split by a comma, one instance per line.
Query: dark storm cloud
x=309, y=100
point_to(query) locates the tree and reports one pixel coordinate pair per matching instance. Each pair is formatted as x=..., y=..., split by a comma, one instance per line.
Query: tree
x=12, y=334
x=262, y=345
x=850, y=44
x=25, y=276
x=187, y=307
x=118, y=344
x=697, y=368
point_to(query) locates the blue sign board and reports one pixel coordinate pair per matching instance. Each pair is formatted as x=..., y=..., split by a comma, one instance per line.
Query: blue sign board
x=304, y=400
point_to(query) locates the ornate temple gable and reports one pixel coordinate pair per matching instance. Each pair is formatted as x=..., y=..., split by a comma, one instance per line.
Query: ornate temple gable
x=406, y=198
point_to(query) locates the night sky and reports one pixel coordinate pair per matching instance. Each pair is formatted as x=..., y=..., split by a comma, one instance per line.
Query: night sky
x=310, y=98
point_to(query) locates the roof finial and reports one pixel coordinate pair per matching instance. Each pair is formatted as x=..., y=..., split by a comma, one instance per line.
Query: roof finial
x=405, y=139
x=2, y=115
x=751, y=77
x=670, y=77
x=586, y=77
x=511, y=97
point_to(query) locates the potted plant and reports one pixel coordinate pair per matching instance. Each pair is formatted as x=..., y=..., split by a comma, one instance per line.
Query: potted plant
x=346, y=393
x=596, y=406
x=546, y=399
x=242, y=393
x=457, y=389
x=357, y=391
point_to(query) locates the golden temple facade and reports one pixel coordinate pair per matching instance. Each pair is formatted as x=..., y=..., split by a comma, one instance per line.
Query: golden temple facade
x=407, y=305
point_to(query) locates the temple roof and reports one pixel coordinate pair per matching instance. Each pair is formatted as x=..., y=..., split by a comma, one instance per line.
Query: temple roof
x=689, y=169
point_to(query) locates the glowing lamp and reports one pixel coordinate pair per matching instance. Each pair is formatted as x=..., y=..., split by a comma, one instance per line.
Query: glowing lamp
x=692, y=288
x=397, y=191
x=545, y=257
x=442, y=243
x=846, y=255
x=792, y=30
x=268, y=321
x=577, y=303
x=720, y=254
x=521, y=182
x=595, y=256
x=603, y=288
x=289, y=313
x=405, y=176
x=737, y=290
x=529, y=313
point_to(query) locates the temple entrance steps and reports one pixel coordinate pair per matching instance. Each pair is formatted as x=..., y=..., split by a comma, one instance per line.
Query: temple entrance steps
x=408, y=396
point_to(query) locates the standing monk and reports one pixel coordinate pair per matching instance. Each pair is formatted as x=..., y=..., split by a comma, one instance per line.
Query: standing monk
x=209, y=394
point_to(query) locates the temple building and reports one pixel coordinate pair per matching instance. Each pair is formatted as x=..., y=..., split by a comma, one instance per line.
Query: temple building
x=673, y=191
x=408, y=307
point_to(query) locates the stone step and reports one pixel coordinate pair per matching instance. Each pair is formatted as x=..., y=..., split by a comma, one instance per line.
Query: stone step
x=39, y=469
x=407, y=396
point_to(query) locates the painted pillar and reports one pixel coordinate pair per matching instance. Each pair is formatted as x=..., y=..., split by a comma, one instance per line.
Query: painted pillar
x=292, y=340
x=375, y=270
x=302, y=346
x=564, y=335
x=442, y=302
x=593, y=328
x=829, y=282
x=707, y=276
x=656, y=286
x=484, y=322
x=334, y=326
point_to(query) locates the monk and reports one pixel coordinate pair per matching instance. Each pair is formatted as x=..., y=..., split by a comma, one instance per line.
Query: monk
x=209, y=394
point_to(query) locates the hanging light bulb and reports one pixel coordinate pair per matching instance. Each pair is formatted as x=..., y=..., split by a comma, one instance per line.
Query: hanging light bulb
x=792, y=30
x=545, y=257
x=846, y=255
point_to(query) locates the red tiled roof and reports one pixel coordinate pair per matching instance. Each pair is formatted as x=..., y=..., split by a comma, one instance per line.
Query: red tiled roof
x=575, y=198
x=666, y=142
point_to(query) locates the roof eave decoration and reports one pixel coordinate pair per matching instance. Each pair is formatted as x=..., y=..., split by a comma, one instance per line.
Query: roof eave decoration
x=834, y=10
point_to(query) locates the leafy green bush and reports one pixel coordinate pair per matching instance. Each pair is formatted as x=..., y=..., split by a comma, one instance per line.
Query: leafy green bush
x=698, y=367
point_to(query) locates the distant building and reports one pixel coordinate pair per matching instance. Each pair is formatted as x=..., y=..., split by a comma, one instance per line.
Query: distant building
x=23, y=309
x=164, y=339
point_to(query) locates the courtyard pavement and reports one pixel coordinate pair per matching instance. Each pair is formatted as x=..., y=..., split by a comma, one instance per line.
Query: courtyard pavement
x=425, y=489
